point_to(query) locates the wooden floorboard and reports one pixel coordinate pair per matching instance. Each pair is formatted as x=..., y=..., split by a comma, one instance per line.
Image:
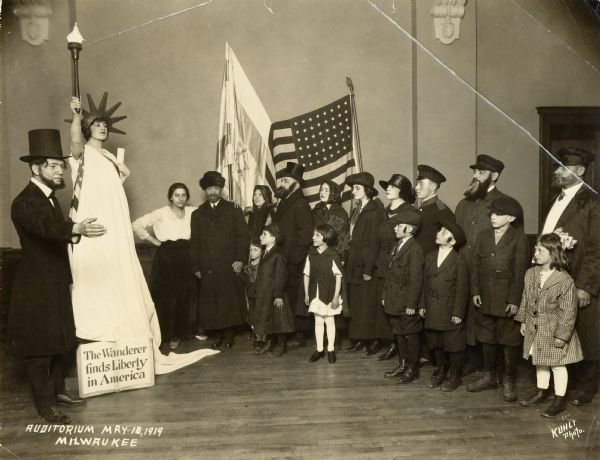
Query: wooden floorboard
x=238, y=405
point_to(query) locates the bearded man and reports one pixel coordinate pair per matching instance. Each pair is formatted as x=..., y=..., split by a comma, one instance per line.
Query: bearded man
x=473, y=216
x=219, y=244
x=294, y=218
x=41, y=327
x=576, y=212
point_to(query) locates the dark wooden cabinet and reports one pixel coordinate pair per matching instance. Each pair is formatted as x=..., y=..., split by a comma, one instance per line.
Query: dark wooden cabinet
x=562, y=127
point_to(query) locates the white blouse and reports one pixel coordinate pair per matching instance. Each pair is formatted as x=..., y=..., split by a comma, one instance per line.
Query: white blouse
x=166, y=225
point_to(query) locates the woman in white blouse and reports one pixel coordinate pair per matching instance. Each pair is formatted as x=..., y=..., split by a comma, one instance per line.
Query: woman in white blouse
x=171, y=279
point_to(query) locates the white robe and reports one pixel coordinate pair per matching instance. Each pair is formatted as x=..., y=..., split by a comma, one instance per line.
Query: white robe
x=111, y=300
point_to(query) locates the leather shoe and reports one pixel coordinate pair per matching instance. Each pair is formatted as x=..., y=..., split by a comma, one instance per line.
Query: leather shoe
x=374, y=347
x=331, y=357
x=412, y=373
x=317, y=355
x=398, y=371
x=359, y=345
x=53, y=415
x=389, y=353
x=65, y=400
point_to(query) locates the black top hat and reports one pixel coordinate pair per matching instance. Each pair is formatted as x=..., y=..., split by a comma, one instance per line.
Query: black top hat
x=428, y=172
x=44, y=143
x=455, y=229
x=506, y=206
x=212, y=179
x=362, y=178
x=293, y=170
x=570, y=156
x=488, y=163
x=409, y=217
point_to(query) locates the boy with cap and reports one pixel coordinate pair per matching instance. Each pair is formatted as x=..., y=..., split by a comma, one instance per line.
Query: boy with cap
x=401, y=292
x=431, y=208
x=499, y=261
x=443, y=304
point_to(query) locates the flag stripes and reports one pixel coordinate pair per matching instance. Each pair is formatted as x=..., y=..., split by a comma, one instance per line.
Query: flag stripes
x=321, y=141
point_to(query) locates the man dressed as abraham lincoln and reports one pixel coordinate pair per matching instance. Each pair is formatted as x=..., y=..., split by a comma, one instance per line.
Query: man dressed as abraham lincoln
x=40, y=319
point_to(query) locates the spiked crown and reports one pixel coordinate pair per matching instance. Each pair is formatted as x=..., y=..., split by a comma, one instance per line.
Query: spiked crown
x=100, y=112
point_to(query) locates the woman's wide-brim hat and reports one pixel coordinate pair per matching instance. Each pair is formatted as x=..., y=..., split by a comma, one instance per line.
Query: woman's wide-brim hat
x=212, y=179
x=44, y=143
x=293, y=170
x=362, y=178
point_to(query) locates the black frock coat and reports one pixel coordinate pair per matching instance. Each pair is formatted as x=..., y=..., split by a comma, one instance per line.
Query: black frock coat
x=271, y=280
x=294, y=218
x=445, y=291
x=219, y=237
x=581, y=220
x=40, y=319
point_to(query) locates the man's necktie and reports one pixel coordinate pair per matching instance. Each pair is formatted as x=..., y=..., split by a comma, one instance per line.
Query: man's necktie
x=562, y=195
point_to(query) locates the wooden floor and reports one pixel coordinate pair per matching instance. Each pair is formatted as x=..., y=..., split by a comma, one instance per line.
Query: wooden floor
x=238, y=405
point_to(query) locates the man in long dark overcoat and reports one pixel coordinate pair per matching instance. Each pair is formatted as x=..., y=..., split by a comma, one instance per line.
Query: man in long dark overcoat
x=473, y=216
x=294, y=218
x=40, y=319
x=576, y=211
x=219, y=246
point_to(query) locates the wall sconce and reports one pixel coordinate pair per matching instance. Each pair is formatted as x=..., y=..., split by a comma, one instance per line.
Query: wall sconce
x=33, y=20
x=446, y=19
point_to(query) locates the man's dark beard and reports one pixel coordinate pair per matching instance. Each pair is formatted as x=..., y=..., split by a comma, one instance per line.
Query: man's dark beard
x=282, y=193
x=559, y=182
x=213, y=198
x=50, y=183
x=480, y=192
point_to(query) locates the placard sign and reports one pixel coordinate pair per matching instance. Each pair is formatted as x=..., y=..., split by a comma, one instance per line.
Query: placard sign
x=106, y=367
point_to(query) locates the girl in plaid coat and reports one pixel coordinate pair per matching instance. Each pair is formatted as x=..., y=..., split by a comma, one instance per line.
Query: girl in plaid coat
x=547, y=315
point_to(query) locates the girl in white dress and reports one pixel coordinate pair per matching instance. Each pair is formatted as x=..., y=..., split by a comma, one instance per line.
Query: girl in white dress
x=322, y=287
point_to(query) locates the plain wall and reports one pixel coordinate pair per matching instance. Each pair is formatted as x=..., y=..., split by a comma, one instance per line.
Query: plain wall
x=168, y=75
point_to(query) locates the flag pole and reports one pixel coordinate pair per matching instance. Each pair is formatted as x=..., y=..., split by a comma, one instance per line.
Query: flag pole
x=355, y=122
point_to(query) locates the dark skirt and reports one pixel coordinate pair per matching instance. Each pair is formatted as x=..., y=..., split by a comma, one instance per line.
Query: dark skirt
x=364, y=306
x=171, y=285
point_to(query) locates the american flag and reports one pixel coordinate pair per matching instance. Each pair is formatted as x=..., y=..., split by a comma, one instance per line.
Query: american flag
x=321, y=141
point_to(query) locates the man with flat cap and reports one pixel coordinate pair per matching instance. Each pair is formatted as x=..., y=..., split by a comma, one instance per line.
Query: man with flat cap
x=576, y=211
x=219, y=244
x=432, y=209
x=294, y=218
x=40, y=319
x=473, y=216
